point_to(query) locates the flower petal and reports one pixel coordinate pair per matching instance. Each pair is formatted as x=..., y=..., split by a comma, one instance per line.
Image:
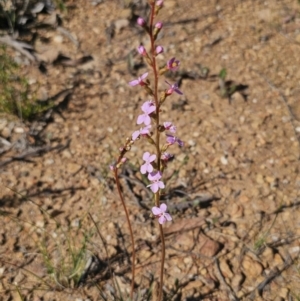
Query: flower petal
x=150, y=110
x=147, y=119
x=154, y=187
x=168, y=83
x=143, y=169
x=135, y=135
x=161, y=184
x=149, y=168
x=180, y=143
x=145, y=130
x=168, y=216
x=162, y=220
x=178, y=91
x=163, y=207
x=144, y=75
x=151, y=158
x=141, y=119
x=134, y=82
x=146, y=156
x=156, y=211
x=146, y=105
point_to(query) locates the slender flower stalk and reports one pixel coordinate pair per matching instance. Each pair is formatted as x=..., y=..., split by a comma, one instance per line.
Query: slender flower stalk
x=158, y=152
x=130, y=230
x=154, y=163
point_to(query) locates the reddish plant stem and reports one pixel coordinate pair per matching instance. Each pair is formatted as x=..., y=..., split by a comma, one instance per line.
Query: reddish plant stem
x=158, y=152
x=154, y=67
x=163, y=255
x=130, y=230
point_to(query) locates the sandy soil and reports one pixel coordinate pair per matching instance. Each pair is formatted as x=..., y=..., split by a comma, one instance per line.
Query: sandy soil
x=238, y=171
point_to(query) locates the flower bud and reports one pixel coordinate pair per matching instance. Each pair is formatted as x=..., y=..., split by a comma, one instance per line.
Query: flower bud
x=159, y=49
x=159, y=25
x=140, y=21
x=142, y=51
x=161, y=128
x=158, y=6
x=163, y=97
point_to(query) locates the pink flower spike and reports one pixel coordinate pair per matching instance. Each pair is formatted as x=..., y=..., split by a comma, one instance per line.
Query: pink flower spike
x=148, y=107
x=139, y=81
x=172, y=139
x=169, y=126
x=140, y=21
x=173, y=88
x=142, y=51
x=155, y=177
x=172, y=64
x=160, y=213
x=147, y=167
x=159, y=49
x=159, y=25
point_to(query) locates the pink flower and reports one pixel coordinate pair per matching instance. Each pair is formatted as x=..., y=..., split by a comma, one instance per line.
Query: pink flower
x=172, y=139
x=155, y=177
x=159, y=49
x=148, y=107
x=160, y=213
x=140, y=21
x=173, y=88
x=169, y=126
x=142, y=51
x=139, y=81
x=172, y=64
x=147, y=167
x=141, y=132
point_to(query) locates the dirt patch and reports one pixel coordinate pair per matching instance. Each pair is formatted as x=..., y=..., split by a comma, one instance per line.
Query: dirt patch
x=239, y=170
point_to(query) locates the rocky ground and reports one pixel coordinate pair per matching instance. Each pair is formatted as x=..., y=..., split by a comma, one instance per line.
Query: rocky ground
x=233, y=190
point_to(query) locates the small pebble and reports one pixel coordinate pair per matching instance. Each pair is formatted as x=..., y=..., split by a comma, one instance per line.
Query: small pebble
x=19, y=130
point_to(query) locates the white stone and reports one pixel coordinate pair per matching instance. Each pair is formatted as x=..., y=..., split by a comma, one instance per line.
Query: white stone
x=19, y=130
x=58, y=39
x=224, y=160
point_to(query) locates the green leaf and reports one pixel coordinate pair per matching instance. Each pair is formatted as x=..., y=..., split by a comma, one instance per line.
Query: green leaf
x=223, y=74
